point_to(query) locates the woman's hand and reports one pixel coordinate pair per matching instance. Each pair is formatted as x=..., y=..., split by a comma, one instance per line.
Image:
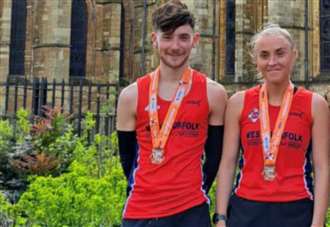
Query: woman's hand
x=223, y=224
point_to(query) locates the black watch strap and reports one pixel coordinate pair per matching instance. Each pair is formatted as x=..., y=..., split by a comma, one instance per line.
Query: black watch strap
x=218, y=217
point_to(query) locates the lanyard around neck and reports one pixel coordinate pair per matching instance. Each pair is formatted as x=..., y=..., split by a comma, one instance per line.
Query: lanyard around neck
x=159, y=137
x=271, y=143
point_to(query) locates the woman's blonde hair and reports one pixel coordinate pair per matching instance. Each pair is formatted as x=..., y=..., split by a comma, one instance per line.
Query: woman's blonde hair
x=270, y=29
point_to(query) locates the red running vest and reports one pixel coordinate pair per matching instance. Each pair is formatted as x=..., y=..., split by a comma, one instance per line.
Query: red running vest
x=293, y=166
x=176, y=184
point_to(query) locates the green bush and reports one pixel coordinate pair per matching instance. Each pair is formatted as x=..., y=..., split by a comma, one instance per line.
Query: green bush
x=4, y=211
x=75, y=199
x=91, y=193
x=92, y=190
x=39, y=148
x=6, y=144
x=212, y=198
x=6, y=136
x=52, y=135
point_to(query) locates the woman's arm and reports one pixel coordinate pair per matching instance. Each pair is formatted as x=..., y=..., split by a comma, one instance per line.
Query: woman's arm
x=230, y=154
x=320, y=137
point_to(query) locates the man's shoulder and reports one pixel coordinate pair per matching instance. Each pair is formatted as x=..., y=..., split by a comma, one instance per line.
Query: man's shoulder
x=132, y=89
x=129, y=93
x=144, y=77
x=215, y=87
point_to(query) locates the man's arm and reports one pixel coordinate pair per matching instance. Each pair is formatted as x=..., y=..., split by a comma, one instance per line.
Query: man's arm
x=126, y=112
x=217, y=98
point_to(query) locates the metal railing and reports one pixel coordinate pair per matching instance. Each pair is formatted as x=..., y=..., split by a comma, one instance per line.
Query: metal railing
x=75, y=97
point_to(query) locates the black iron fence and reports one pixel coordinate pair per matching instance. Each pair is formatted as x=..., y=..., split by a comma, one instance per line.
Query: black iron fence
x=75, y=97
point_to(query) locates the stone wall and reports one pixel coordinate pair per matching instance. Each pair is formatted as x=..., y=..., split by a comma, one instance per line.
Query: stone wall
x=48, y=30
x=291, y=17
x=50, y=34
x=107, y=43
x=5, y=25
x=47, y=51
x=5, y=15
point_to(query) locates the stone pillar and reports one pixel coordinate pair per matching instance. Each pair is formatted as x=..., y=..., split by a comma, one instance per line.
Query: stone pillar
x=107, y=41
x=291, y=17
x=222, y=40
x=28, y=58
x=51, y=39
x=145, y=58
x=205, y=56
x=5, y=25
x=250, y=15
x=128, y=53
x=314, y=38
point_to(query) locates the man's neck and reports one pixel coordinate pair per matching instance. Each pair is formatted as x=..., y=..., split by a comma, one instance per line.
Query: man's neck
x=168, y=74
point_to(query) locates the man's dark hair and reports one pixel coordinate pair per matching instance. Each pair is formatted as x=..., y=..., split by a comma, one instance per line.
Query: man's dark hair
x=172, y=15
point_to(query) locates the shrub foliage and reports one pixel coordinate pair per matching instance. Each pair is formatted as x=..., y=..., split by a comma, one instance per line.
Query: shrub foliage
x=89, y=191
x=84, y=187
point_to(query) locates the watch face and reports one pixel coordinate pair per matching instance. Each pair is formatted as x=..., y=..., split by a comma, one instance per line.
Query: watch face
x=215, y=218
x=218, y=217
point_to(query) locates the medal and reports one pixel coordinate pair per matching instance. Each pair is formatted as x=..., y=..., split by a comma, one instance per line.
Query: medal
x=159, y=135
x=271, y=142
x=269, y=173
x=157, y=156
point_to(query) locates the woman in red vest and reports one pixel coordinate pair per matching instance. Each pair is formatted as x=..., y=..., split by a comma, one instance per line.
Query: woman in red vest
x=282, y=132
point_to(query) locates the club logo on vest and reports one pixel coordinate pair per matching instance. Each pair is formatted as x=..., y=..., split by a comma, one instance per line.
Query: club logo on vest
x=291, y=139
x=254, y=115
x=182, y=128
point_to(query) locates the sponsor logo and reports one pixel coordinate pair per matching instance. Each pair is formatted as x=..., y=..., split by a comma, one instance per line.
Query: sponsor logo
x=194, y=102
x=297, y=114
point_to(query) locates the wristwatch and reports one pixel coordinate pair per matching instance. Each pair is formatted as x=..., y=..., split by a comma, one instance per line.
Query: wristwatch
x=218, y=217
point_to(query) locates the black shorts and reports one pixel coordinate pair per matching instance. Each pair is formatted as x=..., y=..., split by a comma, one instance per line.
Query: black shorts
x=247, y=213
x=197, y=216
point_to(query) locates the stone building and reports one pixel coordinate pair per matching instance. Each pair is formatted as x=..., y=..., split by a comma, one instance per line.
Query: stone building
x=109, y=40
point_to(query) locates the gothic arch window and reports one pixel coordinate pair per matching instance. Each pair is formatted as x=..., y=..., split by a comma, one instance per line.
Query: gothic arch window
x=325, y=36
x=230, y=37
x=17, y=37
x=78, y=38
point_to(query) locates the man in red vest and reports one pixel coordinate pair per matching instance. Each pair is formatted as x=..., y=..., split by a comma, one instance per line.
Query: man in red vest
x=167, y=120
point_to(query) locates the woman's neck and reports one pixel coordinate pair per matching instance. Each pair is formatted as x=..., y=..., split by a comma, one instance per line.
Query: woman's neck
x=276, y=92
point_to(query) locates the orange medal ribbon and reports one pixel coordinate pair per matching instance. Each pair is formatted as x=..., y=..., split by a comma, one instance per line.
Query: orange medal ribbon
x=159, y=137
x=270, y=144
